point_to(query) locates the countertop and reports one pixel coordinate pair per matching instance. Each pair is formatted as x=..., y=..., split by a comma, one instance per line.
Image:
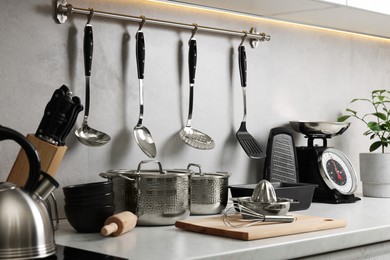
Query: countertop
x=368, y=222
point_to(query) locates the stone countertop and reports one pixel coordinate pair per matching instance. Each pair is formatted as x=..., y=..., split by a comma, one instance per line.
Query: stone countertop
x=368, y=222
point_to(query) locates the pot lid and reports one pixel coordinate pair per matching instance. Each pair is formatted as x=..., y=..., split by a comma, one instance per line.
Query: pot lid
x=156, y=173
x=201, y=174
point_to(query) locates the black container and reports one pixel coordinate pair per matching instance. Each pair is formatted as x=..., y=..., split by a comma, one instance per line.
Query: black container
x=301, y=192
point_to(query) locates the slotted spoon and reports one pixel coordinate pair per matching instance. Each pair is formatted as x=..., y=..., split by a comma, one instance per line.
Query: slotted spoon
x=189, y=135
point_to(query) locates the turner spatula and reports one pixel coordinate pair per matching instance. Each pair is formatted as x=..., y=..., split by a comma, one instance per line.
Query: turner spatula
x=246, y=140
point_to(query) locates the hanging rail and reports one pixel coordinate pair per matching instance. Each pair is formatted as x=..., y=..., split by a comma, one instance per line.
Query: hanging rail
x=64, y=9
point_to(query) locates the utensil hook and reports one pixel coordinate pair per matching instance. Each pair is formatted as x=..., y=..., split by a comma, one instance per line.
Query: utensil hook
x=91, y=12
x=142, y=23
x=243, y=38
x=195, y=30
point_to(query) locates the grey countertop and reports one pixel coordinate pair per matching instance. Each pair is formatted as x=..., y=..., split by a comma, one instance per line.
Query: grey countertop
x=368, y=222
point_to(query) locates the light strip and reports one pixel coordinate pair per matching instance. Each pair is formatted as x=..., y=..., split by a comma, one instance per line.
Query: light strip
x=268, y=19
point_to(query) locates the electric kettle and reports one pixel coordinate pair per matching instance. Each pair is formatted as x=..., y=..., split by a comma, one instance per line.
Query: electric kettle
x=26, y=228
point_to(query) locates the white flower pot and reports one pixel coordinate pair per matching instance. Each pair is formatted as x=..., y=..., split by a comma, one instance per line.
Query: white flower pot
x=375, y=174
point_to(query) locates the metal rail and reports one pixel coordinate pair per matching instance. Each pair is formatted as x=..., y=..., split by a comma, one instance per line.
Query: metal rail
x=64, y=9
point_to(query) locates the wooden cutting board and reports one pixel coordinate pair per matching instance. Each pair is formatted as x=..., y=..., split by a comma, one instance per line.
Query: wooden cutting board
x=215, y=226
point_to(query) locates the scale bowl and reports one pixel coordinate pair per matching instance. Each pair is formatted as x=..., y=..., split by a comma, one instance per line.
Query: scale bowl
x=319, y=129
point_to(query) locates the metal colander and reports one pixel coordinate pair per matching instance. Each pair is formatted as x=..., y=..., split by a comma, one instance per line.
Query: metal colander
x=157, y=197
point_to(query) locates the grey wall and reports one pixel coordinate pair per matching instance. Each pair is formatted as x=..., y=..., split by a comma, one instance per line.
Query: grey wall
x=301, y=74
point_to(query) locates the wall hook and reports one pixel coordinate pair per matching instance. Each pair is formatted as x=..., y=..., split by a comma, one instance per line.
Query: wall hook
x=243, y=38
x=142, y=23
x=195, y=30
x=90, y=15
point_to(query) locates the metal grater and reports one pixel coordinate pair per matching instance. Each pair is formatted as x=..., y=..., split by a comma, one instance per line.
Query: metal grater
x=281, y=161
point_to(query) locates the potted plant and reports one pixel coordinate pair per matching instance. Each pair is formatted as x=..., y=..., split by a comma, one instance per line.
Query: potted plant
x=374, y=166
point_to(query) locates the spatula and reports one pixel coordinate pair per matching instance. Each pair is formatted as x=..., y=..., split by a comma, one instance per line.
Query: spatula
x=246, y=140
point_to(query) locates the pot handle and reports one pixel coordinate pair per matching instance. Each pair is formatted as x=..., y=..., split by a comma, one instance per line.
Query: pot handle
x=196, y=165
x=125, y=177
x=32, y=155
x=110, y=176
x=151, y=161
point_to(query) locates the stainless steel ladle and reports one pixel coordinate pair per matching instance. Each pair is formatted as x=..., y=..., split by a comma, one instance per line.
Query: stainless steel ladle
x=141, y=133
x=85, y=134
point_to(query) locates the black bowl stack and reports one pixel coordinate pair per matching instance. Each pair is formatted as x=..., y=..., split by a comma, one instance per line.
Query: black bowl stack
x=88, y=205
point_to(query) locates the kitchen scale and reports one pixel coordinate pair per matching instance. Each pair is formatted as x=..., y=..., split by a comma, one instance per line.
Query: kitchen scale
x=327, y=167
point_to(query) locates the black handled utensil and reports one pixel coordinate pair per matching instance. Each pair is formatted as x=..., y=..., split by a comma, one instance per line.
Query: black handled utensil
x=85, y=134
x=246, y=140
x=189, y=135
x=142, y=135
x=71, y=118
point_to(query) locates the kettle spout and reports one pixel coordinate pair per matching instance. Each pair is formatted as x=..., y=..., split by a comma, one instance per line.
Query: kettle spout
x=45, y=186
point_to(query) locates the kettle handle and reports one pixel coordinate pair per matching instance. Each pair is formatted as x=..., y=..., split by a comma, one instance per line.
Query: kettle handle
x=32, y=155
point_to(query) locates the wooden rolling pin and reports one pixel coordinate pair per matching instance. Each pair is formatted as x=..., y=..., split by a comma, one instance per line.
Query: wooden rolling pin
x=119, y=224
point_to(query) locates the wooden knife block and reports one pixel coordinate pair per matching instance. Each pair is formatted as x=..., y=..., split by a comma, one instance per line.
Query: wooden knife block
x=51, y=157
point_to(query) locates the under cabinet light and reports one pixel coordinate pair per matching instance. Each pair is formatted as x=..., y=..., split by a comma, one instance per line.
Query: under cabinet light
x=266, y=19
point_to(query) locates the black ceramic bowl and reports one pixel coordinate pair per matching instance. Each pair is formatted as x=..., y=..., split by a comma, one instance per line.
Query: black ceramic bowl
x=87, y=189
x=98, y=200
x=88, y=219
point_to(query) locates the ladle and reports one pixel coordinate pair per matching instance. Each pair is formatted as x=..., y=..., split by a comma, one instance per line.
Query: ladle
x=85, y=134
x=141, y=133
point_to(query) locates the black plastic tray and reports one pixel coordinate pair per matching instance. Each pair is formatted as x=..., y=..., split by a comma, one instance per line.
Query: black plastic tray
x=301, y=192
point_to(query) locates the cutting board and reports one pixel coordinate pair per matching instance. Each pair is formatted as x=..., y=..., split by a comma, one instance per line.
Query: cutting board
x=302, y=224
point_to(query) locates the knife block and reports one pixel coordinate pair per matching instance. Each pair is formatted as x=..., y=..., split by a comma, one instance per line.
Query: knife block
x=50, y=156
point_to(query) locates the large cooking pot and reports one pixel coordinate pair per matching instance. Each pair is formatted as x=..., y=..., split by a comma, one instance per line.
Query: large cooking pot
x=26, y=227
x=157, y=197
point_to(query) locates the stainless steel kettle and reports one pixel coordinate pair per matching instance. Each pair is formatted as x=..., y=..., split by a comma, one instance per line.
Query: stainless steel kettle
x=26, y=228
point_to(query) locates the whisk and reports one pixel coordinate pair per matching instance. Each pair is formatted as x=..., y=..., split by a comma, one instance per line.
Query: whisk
x=247, y=217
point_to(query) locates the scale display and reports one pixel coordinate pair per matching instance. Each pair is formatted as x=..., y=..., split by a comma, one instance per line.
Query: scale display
x=337, y=171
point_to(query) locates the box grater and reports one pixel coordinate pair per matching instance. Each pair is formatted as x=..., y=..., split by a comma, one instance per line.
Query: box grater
x=281, y=160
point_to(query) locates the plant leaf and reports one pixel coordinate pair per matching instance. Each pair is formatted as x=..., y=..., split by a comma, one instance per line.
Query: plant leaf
x=360, y=99
x=380, y=115
x=375, y=146
x=374, y=126
x=343, y=118
x=372, y=136
x=351, y=111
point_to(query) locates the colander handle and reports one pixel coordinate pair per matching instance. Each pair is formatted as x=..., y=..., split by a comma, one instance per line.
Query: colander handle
x=197, y=166
x=151, y=161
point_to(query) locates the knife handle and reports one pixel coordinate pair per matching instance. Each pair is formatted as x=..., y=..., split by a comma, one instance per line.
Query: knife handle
x=88, y=49
x=242, y=65
x=65, y=89
x=49, y=110
x=58, y=119
x=71, y=117
x=192, y=58
x=140, y=54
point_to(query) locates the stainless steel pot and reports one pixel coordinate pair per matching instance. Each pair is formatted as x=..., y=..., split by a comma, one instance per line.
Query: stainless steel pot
x=209, y=191
x=157, y=197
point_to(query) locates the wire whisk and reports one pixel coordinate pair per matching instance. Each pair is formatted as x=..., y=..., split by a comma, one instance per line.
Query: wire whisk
x=246, y=217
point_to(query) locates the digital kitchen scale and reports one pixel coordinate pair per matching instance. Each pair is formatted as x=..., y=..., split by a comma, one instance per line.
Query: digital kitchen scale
x=327, y=167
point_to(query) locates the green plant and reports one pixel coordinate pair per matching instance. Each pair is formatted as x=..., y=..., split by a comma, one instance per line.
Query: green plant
x=378, y=121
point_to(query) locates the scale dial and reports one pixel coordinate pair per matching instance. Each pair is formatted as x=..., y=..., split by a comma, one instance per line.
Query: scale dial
x=337, y=171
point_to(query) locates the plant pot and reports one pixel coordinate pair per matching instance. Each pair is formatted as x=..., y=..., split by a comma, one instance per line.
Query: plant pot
x=375, y=174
